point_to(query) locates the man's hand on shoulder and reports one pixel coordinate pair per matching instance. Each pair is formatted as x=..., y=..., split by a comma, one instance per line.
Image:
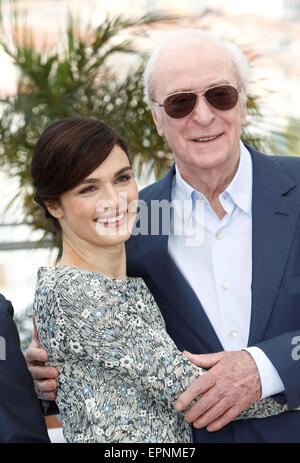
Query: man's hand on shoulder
x=43, y=376
x=231, y=385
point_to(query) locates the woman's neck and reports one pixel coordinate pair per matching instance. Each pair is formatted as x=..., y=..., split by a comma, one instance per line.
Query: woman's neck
x=108, y=261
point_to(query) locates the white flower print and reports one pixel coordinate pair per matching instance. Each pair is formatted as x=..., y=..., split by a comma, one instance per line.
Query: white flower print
x=126, y=361
x=75, y=346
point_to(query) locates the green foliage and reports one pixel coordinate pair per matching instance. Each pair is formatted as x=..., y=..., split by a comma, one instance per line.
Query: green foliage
x=289, y=142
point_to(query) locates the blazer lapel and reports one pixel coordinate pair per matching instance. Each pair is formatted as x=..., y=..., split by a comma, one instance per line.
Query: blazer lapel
x=274, y=218
x=166, y=275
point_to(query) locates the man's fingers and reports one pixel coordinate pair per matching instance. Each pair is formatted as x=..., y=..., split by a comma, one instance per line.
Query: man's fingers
x=212, y=412
x=35, y=336
x=45, y=385
x=203, y=408
x=204, y=360
x=44, y=376
x=223, y=420
x=40, y=372
x=35, y=354
x=217, y=413
x=46, y=395
x=45, y=389
x=198, y=387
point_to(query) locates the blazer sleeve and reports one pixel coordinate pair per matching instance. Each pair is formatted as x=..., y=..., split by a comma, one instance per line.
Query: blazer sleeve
x=284, y=353
x=21, y=418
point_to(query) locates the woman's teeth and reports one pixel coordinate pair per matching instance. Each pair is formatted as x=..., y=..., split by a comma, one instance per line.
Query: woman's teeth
x=111, y=219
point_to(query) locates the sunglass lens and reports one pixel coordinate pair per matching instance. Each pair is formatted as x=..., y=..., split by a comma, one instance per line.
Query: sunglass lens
x=222, y=97
x=180, y=105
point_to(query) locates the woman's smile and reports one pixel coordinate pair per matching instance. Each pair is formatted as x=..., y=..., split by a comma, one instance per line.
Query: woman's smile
x=113, y=220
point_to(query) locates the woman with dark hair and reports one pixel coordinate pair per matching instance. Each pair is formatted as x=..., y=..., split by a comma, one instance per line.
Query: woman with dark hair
x=119, y=371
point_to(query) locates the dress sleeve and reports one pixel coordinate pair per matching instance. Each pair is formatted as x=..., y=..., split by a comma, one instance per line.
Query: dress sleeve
x=134, y=344
x=116, y=336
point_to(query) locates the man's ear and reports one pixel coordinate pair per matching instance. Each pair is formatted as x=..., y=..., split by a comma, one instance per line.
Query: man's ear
x=54, y=209
x=157, y=122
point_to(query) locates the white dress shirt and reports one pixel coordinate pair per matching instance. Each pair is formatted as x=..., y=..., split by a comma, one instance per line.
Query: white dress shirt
x=219, y=268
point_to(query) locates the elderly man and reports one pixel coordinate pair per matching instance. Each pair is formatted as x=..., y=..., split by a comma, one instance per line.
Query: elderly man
x=235, y=297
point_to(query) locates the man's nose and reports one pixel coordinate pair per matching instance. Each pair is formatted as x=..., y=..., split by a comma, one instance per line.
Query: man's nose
x=203, y=112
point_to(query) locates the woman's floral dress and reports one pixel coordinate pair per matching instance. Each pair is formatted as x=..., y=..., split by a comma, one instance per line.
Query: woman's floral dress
x=119, y=371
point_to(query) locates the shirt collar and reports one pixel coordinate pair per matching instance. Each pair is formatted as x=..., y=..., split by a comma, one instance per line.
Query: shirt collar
x=182, y=189
x=239, y=189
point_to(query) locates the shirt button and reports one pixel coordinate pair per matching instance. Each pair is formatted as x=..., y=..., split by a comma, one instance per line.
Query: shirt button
x=233, y=334
x=219, y=236
x=226, y=285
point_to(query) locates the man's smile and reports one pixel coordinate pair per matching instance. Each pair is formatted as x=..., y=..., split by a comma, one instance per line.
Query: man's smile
x=207, y=138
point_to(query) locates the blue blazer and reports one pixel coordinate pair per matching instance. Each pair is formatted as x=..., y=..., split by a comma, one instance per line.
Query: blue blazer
x=21, y=417
x=275, y=312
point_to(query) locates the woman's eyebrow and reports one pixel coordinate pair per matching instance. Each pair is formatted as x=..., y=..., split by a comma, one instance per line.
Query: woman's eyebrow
x=121, y=171
x=97, y=180
x=89, y=180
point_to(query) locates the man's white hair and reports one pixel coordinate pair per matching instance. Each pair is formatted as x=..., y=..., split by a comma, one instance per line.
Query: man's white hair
x=195, y=37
